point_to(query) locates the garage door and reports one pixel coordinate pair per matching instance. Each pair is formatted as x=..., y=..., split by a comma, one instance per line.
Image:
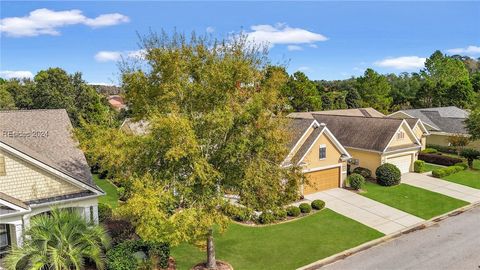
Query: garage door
x=402, y=162
x=322, y=180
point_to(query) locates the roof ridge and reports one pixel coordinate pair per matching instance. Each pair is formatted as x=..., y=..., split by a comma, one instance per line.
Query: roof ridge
x=358, y=116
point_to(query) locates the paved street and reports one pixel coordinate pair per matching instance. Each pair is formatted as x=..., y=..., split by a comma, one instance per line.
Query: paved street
x=451, y=244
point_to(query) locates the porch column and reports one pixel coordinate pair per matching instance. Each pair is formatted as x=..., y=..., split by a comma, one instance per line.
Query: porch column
x=86, y=213
x=18, y=231
x=95, y=213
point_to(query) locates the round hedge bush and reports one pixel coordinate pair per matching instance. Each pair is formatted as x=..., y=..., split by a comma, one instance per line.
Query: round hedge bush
x=419, y=166
x=305, y=208
x=293, y=211
x=356, y=181
x=388, y=175
x=366, y=173
x=266, y=218
x=280, y=213
x=318, y=204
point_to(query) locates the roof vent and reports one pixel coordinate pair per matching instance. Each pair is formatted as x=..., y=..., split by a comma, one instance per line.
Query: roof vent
x=323, y=124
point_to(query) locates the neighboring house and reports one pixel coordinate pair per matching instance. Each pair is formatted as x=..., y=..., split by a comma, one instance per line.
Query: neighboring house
x=365, y=112
x=41, y=167
x=322, y=158
x=440, y=122
x=116, y=102
x=139, y=127
x=373, y=141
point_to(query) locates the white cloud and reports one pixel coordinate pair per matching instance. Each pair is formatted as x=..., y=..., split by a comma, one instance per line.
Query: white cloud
x=108, y=56
x=10, y=74
x=303, y=68
x=282, y=34
x=294, y=48
x=210, y=29
x=402, y=62
x=46, y=22
x=113, y=56
x=313, y=46
x=468, y=50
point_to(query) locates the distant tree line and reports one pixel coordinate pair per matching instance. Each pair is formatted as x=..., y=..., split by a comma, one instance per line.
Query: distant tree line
x=444, y=81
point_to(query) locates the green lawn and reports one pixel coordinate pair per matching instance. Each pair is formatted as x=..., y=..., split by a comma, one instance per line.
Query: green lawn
x=283, y=246
x=416, y=201
x=111, y=198
x=430, y=167
x=468, y=177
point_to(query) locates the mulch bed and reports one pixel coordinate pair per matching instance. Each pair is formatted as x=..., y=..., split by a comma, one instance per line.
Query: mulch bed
x=220, y=266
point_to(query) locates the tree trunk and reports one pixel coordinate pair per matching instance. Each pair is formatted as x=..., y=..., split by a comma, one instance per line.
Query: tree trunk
x=211, y=261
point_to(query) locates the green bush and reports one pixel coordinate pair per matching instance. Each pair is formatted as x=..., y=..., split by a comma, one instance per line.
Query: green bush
x=442, y=148
x=305, y=208
x=104, y=212
x=266, y=217
x=293, y=211
x=439, y=173
x=237, y=213
x=429, y=151
x=442, y=172
x=280, y=213
x=419, y=166
x=470, y=155
x=121, y=193
x=318, y=204
x=122, y=256
x=366, y=173
x=356, y=181
x=388, y=175
x=463, y=165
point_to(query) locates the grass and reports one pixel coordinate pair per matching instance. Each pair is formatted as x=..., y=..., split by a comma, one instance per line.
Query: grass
x=430, y=167
x=416, y=201
x=469, y=177
x=282, y=246
x=111, y=198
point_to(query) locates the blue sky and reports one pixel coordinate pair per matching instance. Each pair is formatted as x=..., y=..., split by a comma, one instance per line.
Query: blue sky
x=326, y=40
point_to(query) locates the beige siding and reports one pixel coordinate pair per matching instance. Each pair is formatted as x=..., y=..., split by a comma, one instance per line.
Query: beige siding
x=27, y=182
x=406, y=140
x=300, y=143
x=369, y=160
x=437, y=139
x=333, y=154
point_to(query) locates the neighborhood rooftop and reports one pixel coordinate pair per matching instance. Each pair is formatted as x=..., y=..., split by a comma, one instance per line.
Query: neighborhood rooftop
x=446, y=119
x=364, y=112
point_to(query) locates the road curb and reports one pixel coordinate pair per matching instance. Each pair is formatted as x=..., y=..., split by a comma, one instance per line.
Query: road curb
x=425, y=224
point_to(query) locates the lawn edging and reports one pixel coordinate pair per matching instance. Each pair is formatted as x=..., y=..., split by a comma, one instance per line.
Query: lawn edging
x=428, y=223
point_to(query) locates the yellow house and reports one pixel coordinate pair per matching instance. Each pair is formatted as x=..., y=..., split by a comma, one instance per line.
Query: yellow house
x=322, y=157
x=40, y=168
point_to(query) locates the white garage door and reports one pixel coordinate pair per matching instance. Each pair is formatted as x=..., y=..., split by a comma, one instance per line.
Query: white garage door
x=402, y=162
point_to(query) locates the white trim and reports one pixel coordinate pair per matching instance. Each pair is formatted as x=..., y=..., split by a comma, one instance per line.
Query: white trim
x=422, y=126
x=48, y=168
x=52, y=203
x=301, y=138
x=402, y=150
x=13, y=206
x=404, y=122
x=321, y=168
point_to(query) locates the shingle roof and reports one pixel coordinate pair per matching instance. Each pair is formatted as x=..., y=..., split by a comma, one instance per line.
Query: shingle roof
x=306, y=145
x=365, y=112
x=369, y=133
x=297, y=127
x=447, y=119
x=411, y=122
x=46, y=135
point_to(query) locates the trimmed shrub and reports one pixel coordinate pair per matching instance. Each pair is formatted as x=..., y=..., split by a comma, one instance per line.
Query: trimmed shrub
x=266, y=217
x=123, y=257
x=293, y=211
x=388, y=175
x=280, y=213
x=442, y=172
x=318, y=204
x=356, y=181
x=419, y=166
x=439, y=159
x=470, y=155
x=463, y=165
x=366, y=173
x=429, y=151
x=305, y=208
x=104, y=212
x=442, y=148
x=237, y=213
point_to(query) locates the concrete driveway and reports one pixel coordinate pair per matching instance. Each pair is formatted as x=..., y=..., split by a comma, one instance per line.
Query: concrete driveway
x=376, y=215
x=453, y=190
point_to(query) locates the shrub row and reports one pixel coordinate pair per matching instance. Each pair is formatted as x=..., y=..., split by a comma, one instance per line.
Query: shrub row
x=442, y=172
x=442, y=148
x=238, y=213
x=429, y=151
x=439, y=159
x=292, y=211
x=127, y=255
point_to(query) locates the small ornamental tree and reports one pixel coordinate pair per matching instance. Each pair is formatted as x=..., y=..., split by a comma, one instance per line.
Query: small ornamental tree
x=458, y=141
x=470, y=155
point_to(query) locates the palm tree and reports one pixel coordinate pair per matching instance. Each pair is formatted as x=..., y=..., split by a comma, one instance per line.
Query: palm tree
x=62, y=240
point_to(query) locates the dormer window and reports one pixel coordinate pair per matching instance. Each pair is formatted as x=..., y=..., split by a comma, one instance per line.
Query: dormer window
x=400, y=135
x=323, y=151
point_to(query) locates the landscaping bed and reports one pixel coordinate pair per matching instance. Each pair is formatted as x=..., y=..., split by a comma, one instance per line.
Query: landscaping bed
x=469, y=177
x=416, y=201
x=282, y=246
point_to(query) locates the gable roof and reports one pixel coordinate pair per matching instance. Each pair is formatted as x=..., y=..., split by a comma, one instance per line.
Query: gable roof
x=369, y=133
x=447, y=119
x=46, y=137
x=365, y=112
x=297, y=128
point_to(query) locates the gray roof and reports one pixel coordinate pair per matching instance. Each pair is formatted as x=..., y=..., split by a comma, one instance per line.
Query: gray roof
x=365, y=112
x=297, y=127
x=306, y=145
x=447, y=119
x=370, y=133
x=46, y=135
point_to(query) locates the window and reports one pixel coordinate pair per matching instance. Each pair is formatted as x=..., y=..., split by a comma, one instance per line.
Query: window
x=2, y=166
x=400, y=135
x=4, y=242
x=323, y=151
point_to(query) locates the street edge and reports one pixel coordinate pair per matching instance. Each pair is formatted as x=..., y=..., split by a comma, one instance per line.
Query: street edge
x=425, y=224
